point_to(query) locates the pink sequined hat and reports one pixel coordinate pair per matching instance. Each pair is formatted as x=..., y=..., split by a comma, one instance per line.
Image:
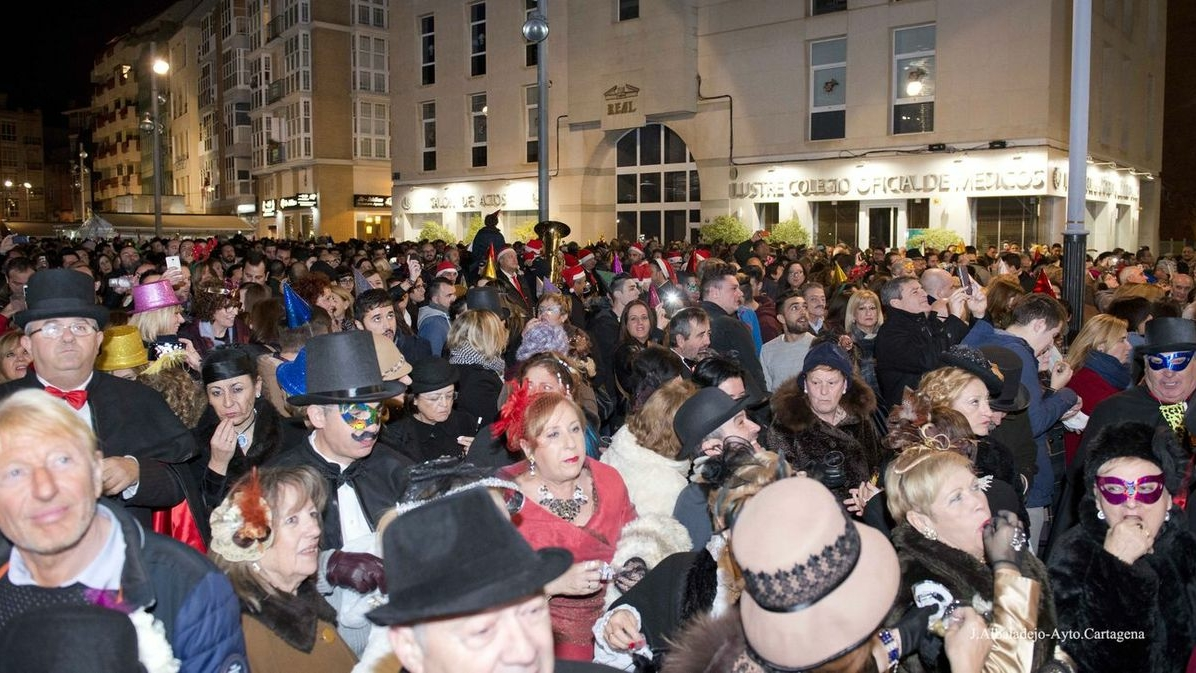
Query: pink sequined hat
x=150, y=296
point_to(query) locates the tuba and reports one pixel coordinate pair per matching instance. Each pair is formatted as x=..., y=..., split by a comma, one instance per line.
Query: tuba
x=552, y=232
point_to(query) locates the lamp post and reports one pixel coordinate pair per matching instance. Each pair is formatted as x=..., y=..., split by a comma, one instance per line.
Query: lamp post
x=82, y=185
x=28, y=188
x=7, y=187
x=535, y=30
x=152, y=125
x=1075, y=239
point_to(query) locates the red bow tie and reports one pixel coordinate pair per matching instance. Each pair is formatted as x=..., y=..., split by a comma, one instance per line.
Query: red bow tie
x=75, y=398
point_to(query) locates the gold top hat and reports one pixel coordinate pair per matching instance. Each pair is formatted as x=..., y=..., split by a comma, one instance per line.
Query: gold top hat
x=121, y=349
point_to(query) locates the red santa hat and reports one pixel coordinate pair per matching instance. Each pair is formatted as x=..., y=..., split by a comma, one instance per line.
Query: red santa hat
x=584, y=256
x=636, y=247
x=674, y=257
x=536, y=246
x=696, y=258
x=528, y=256
x=666, y=269
x=445, y=267
x=641, y=271
x=573, y=273
x=570, y=260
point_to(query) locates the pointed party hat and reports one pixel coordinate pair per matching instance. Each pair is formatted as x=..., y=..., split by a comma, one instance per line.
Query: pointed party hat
x=616, y=265
x=1042, y=284
x=549, y=288
x=360, y=284
x=298, y=312
x=490, y=270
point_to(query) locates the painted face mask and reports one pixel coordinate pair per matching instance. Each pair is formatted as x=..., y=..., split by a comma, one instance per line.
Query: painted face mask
x=1176, y=362
x=359, y=416
x=1147, y=490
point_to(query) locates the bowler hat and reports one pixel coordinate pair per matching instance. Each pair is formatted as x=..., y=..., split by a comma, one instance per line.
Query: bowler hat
x=1163, y=335
x=1013, y=396
x=155, y=295
x=121, y=349
x=343, y=367
x=485, y=298
x=61, y=293
x=701, y=415
x=459, y=555
x=432, y=374
x=70, y=638
x=817, y=584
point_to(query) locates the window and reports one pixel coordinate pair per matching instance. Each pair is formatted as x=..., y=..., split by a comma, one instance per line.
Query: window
x=427, y=115
x=1007, y=218
x=913, y=79
x=478, y=132
x=370, y=72
x=530, y=54
x=531, y=98
x=828, y=89
x=477, y=39
x=629, y=9
x=427, y=49
x=836, y=221
x=370, y=130
x=827, y=6
x=657, y=188
x=370, y=13
x=8, y=131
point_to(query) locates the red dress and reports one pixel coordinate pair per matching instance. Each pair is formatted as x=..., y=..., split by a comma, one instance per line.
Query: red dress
x=1093, y=390
x=574, y=616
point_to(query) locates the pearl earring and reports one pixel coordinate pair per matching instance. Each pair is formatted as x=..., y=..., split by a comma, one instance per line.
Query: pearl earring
x=1100, y=513
x=930, y=534
x=1167, y=516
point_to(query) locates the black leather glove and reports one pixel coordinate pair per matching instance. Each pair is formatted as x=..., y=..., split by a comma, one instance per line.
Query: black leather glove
x=1004, y=540
x=913, y=627
x=357, y=571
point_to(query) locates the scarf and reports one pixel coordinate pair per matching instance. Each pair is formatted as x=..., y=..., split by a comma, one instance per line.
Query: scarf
x=466, y=355
x=1108, y=368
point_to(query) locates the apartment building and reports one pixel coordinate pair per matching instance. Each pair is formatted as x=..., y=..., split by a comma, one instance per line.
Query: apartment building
x=866, y=120
x=22, y=164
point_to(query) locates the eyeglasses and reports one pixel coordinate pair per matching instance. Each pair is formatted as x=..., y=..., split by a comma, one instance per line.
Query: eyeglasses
x=438, y=398
x=1176, y=362
x=55, y=330
x=1146, y=490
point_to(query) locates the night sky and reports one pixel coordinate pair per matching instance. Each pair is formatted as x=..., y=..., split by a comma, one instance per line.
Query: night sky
x=49, y=47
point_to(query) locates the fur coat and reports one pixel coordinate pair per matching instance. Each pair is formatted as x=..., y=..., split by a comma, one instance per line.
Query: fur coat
x=711, y=645
x=965, y=577
x=1097, y=592
x=653, y=481
x=807, y=439
x=295, y=633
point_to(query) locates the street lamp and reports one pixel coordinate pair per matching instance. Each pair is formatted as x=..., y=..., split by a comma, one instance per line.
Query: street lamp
x=82, y=185
x=152, y=125
x=535, y=30
x=7, y=210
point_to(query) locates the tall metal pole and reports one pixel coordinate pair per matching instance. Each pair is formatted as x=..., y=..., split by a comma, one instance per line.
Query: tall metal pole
x=542, y=114
x=1075, y=238
x=82, y=185
x=157, y=141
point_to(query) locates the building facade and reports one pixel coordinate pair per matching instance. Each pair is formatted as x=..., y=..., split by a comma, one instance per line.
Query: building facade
x=22, y=164
x=866, y=120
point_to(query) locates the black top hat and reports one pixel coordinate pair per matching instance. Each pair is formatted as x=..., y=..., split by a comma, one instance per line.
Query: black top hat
x=1163, y=335
x=343, y=367
x=701, y=415
x=459, y=555
x=485, y=298
x=61, y=293
x=548, y=225
x=1013, y=396
x=70, y=638
x=432, y=374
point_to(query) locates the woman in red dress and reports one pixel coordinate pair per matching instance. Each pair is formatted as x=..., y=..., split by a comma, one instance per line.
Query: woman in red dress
x=571, y=502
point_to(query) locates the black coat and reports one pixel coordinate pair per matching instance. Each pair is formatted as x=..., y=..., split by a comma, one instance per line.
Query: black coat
x=731, y=337
x=132, y=419
x=420, y=442
x=907, y=346
x=379, y=480
x=478, y=389
x=525, y=301
x=1156, y=595
x=965, y=577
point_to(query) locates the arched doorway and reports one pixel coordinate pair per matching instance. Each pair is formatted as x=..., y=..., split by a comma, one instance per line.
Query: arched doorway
x=657, y=189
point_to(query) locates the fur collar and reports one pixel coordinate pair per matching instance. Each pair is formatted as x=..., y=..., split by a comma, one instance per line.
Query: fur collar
x=294, y=619
x=625, y=449
x=710, y=645
x=792, y=414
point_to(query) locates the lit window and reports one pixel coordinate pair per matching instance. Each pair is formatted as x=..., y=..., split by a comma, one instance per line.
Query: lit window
x=828, y=89
x=913, y=79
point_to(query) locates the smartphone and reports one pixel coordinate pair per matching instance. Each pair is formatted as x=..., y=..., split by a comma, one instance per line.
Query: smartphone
x=965, y=279
x=20, y=239
x=122, y=282
x=172, y=262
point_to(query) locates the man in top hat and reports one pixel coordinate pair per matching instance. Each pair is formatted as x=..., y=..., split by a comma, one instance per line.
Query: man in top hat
x=1163, y=398
x=467, y=592
x=138, y=433
x=344, y=391
x=519, y=288
x=64, y=547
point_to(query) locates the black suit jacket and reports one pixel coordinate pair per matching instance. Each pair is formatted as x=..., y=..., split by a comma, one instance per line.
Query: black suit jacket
x=526, y=301
x=732, y=337
x=132, y=419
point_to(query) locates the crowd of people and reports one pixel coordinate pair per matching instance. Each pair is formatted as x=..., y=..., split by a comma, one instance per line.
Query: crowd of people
x=374, y=456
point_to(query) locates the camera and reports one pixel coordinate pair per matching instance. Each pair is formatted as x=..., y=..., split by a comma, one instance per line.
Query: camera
x=831, y=471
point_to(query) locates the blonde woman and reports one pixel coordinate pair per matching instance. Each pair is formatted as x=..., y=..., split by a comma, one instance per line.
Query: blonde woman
x=1100, y=358
x=476, y=342
x=862, y=322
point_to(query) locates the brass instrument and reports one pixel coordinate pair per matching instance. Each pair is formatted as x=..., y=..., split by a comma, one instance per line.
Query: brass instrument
x=552, y=233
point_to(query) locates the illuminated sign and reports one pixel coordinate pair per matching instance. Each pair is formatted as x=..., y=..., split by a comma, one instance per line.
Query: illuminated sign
x=269, y=208
x=301, y=200
x=371, y=201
